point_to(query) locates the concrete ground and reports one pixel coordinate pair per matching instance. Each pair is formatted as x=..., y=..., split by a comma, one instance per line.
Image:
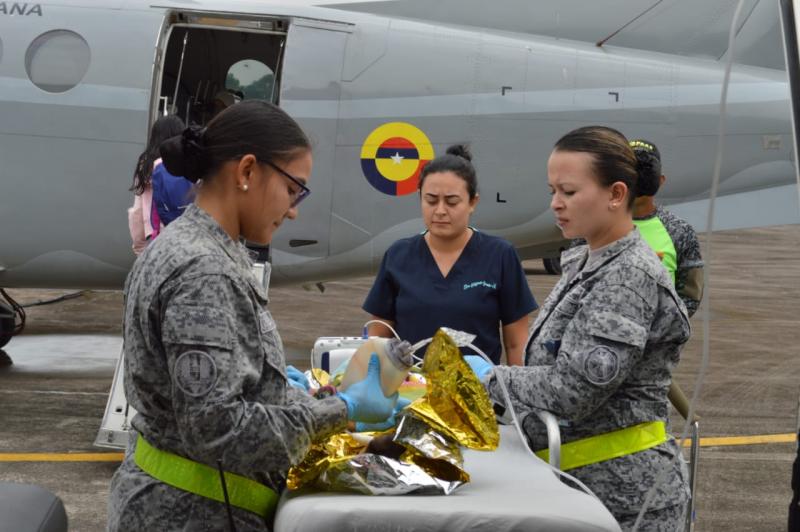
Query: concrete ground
x=53, y=396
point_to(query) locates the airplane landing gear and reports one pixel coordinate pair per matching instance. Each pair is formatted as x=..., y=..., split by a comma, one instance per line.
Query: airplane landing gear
x=9, y=310
x=6, y=323
x=552, y=265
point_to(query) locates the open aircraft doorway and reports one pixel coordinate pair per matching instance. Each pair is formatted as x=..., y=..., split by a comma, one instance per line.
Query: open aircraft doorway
x=210, y=63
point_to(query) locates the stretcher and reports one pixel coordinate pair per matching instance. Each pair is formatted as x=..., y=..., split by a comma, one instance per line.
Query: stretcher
x=508, y=490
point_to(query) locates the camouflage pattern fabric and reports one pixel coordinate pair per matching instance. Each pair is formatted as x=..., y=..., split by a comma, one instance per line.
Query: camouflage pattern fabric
x=689, y=273
x=204, y=368
x=600, y=357
x=672, y=519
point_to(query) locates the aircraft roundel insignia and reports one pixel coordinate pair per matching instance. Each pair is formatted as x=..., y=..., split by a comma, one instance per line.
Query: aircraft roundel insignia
x=392, y=157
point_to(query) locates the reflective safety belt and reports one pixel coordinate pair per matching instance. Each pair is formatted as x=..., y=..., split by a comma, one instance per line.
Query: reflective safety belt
x=610, y=445
x=203, y=480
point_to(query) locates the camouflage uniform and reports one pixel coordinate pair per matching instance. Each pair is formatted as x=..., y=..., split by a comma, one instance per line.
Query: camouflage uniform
x=600, y=357
x=204, y=368
x=689, y=273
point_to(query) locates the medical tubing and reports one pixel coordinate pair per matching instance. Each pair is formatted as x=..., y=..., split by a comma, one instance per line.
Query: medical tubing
x=510, y=408
x=522, y=437
x=370, y=322
x=506, y=396
x=225, y=495
x=414, y=348
x=706, y=277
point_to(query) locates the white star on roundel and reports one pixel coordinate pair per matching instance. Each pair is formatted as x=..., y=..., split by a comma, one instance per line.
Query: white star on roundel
x=397, y=158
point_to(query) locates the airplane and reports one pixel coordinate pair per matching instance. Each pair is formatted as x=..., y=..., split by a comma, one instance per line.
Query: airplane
x=380, y=87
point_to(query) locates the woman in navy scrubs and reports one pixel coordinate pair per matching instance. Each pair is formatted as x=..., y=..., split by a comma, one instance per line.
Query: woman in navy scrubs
x=453, y=275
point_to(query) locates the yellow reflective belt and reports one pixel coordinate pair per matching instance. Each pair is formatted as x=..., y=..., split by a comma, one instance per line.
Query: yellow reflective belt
x=610, y=445
x=200, y=479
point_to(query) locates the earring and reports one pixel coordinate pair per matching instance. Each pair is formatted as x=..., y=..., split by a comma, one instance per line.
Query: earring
x=244, y=187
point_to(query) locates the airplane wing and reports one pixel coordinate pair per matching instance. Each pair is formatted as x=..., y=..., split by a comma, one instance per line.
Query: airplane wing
x=676, y=27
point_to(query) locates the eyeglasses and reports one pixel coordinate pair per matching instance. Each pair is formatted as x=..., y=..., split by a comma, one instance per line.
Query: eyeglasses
x=304, y=190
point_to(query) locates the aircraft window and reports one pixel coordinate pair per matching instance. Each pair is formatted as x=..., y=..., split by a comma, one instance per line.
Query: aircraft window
x=252, y=78
x=57, y=60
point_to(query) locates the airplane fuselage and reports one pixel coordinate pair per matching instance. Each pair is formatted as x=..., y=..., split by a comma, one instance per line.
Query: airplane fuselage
x=68, y=152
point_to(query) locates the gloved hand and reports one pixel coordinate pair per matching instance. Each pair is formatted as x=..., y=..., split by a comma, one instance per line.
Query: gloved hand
x=479, y=366
x=297, y=378
x=365, y=400
x=384, y=425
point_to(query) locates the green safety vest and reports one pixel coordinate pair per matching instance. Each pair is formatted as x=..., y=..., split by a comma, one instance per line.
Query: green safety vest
x=657, y=237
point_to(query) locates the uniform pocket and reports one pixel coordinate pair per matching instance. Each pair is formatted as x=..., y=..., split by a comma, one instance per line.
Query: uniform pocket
x=568, y=306
x=617, y=328
x=199, y=326
x=271, y=341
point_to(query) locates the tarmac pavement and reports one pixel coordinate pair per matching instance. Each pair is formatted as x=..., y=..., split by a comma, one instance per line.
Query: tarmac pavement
x=53, y=396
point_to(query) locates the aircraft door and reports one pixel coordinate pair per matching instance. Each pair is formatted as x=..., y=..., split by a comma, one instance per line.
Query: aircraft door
x=310, y=89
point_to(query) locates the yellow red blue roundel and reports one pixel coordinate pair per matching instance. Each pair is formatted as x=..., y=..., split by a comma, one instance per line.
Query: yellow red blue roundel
x=392, y=157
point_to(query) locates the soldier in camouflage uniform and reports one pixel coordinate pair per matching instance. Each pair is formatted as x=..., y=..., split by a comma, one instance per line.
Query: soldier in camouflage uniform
x=204, y=364
x=681, y=252
x=602, y=349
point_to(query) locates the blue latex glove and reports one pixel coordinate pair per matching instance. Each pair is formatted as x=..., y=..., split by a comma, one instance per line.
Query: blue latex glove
x=479, y=366
x=384, y=425
x=365, y=400
x=297, y=378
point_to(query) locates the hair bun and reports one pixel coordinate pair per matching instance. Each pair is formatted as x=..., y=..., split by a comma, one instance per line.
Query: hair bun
x=185, y=154
x=460, y=150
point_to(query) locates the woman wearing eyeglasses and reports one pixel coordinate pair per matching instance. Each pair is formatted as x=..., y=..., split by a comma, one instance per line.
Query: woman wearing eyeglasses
x=453, y=275
x=204, y=364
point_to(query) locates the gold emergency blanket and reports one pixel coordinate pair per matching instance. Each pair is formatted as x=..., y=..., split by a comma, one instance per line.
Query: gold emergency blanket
x=456, y=404
x=456, y=411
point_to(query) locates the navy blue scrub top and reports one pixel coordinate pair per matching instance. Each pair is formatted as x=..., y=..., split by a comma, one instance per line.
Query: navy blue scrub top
x=485, y=287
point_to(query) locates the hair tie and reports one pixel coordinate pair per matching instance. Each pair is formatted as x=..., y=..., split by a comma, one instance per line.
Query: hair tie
x=194, y=141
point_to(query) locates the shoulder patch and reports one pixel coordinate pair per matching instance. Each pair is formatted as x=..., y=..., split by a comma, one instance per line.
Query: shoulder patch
x=601, y=365
x=195, y=373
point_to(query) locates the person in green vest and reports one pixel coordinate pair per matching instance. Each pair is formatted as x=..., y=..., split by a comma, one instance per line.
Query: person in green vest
x=671, y=237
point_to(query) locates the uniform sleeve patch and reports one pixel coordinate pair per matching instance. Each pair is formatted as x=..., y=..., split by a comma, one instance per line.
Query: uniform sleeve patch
x=195, y=373
x=601, y=365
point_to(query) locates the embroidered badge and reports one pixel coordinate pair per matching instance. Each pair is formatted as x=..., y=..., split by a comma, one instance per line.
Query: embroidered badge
x=601, y=365
x=485, y=284
x=195, y=373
